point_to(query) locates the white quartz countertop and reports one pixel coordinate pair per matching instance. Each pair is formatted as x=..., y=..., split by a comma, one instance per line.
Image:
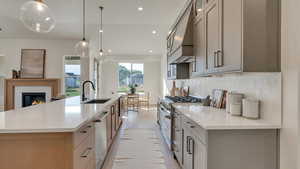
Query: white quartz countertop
x=211, y=118
x=65, y=115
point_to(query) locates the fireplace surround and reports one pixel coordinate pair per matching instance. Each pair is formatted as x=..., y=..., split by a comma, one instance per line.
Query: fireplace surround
x=51, y=86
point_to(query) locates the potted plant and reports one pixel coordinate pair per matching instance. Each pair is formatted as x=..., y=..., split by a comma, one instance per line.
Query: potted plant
x=133, y=88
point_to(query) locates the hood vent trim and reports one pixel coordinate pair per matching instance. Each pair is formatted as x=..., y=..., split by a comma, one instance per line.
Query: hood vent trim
x=180, y=40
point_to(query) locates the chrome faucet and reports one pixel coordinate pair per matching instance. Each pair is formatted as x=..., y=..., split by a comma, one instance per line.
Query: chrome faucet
x=83, y=98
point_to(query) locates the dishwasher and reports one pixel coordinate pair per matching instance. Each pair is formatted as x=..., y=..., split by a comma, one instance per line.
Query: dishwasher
x=100, y=139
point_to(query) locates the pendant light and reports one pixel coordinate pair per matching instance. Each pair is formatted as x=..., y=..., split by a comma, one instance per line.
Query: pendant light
x=101, y=51
x=82, y=47
x=37, y=16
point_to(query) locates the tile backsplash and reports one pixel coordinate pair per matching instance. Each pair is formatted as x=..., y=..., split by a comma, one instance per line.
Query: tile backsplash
x=265, y=87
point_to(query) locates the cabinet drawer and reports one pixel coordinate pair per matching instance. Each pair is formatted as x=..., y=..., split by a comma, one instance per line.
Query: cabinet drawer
x=82, y=133
x=84, y=154
x=195, y=129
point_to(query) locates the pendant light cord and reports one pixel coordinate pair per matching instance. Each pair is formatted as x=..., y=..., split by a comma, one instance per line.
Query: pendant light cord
x=83, y=25
x=101, y=28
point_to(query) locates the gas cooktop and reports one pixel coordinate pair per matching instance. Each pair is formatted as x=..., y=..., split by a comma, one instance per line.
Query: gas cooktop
x=184, y=99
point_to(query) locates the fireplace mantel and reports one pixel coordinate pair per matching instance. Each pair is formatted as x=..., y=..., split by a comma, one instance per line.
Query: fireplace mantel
x=10, y=84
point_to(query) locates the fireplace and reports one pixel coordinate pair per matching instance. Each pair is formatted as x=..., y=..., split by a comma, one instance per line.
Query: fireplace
x=27, y=95
x=15, y=87
x=29, y=99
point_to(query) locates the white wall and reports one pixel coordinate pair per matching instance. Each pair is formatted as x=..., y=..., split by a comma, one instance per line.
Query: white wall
x=109, y=75
x=290, y=133
x=55, y=49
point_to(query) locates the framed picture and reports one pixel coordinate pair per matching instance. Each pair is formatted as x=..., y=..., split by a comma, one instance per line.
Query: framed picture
x=33, y=63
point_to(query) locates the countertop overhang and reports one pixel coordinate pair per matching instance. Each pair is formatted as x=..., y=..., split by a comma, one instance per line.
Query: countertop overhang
x=211, y=118
x=65, y=115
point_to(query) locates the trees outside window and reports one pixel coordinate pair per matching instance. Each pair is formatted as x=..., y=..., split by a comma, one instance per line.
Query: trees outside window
x=130, y=74
x=72, y=76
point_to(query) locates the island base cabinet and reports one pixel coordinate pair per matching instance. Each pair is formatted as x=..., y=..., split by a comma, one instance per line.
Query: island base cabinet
x=48, y=150
x=36, y=151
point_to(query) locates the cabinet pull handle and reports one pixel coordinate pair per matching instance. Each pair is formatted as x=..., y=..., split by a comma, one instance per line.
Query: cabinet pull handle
x=188, y=144
x=97, y=121
x=192, y=127
x=191, y=151
x=215, y=63
x=85, y=130
x=86, y=153
x=220, y=64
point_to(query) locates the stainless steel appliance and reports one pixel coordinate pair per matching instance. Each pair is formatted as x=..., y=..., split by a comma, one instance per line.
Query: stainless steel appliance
x=100, y=139
x=166, y=118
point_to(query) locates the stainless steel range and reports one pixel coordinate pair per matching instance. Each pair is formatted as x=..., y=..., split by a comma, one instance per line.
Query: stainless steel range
x=165, y=115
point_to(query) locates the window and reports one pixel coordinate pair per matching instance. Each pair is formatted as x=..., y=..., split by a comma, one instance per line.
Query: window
x=72, y=76
x=130, y=74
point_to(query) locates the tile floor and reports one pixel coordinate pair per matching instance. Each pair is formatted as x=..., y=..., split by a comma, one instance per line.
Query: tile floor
x=139, y=144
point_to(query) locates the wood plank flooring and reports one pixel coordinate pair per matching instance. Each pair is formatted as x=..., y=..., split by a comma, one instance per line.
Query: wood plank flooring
x=139, y=144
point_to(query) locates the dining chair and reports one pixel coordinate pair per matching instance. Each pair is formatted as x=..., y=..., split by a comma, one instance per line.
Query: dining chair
x=145, y=99
x=133, y=102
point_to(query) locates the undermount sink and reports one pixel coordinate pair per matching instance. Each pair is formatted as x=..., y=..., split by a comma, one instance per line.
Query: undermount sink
x=96, y=101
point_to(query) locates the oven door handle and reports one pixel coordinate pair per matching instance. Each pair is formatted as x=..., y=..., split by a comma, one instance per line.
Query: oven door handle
x=168, y=117
x=164, y=110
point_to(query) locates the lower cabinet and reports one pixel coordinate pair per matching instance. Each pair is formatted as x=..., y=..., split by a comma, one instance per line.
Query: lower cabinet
x=109, y=129
x=226, y=149
x=113, y=120
x=194, y=151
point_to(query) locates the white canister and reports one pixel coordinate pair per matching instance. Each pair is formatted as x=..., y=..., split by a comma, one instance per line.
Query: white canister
x=233, y=97
x=251, y=108
x=236, y=109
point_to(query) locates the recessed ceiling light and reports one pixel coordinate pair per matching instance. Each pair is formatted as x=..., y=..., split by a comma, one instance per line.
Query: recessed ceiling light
x=150, y=51
x=154, y=32
x=140, y=8
x=109, y=50
x=101, y=31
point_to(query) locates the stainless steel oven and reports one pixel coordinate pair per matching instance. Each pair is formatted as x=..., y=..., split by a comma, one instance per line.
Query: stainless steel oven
x=164, y=120
x=169, y=121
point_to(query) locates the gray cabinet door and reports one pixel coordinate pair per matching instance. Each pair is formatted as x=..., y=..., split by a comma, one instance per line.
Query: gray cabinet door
x=187, y=155
x=200, y=154
x=213, y=33
x=199, y=46
x=230, y=56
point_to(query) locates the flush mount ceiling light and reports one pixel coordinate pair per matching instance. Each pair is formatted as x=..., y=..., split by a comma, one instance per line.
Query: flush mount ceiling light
x=82, y=47
x=37, y=17
x=101, y=51
x=154, y=32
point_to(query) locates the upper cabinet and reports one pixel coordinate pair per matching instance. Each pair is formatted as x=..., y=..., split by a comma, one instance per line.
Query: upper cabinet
x=236, y=36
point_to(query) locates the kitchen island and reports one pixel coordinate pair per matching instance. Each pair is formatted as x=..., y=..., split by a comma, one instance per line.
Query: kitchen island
x=209, y=138
x=57, y=135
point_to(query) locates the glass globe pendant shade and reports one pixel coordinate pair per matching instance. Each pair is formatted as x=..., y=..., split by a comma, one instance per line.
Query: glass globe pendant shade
x=82, y=48
x=101, y=52
x=37, y=17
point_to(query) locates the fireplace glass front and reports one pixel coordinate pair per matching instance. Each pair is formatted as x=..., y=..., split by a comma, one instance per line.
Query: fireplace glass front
x=29, y=99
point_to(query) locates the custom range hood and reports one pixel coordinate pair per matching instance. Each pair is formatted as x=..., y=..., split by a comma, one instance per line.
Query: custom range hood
x=180, y=39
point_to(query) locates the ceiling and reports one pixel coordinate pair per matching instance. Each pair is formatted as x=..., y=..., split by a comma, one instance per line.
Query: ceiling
x=127, y=31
